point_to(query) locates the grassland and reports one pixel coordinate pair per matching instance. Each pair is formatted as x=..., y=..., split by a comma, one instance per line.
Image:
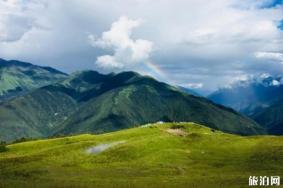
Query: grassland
x=161, y=155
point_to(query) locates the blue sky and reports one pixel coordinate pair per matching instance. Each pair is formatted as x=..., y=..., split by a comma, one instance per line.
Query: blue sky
x=194, y=43
x=272, y=3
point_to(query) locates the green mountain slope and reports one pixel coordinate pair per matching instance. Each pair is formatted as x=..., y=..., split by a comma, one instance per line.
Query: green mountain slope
x=34, y=115
x=18, y=77
x=91, y=102
x=163, y=155
x=271, y=118
x=143, y=100
x=189, y=91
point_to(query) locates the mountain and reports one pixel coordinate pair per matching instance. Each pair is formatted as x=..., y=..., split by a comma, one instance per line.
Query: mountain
x=18, y=77
x=189, y=91
x=271, y=118
x=251, y=96
x=88, y=101
x=260, y=98
x=156, y=155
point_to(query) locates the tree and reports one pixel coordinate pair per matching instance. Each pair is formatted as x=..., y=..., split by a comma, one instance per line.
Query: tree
x=3, y=147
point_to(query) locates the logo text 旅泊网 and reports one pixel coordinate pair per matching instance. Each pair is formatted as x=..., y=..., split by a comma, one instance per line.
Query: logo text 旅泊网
x=264, y=181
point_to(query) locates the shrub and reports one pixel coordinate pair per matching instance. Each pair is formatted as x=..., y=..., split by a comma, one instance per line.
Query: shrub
x=3, y=147
x=177, y=126
x=23, y=139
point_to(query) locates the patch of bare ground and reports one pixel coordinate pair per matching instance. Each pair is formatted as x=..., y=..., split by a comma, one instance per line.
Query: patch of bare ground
x=177, y=132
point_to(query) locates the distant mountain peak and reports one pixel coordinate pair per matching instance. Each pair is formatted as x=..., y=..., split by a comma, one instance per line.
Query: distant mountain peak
x=18, y=77
x=265, y=80
x=251, y=95
x=128, y=75
x=9, y=63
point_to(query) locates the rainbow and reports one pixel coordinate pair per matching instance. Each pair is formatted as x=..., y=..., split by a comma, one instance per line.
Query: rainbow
x=157, y=71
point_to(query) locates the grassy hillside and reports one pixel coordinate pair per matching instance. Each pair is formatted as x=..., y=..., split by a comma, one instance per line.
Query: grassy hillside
x=18, y=77
x=89, y=102
x=160, y=155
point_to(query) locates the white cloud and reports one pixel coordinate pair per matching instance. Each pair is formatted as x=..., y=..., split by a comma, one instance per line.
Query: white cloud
x=264, y=76
x=275, y=56
x=13, y=23
x=15, y=31
x=194, y=85
x=275, y=83
x=127, y=51
x=17, y=17
x=198, y=41
x=107, y=61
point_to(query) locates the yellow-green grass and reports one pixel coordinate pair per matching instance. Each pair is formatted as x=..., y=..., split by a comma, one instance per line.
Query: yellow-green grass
x=150, y=157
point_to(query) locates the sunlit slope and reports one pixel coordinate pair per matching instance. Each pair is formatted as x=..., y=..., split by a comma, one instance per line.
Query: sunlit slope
x=164, y=155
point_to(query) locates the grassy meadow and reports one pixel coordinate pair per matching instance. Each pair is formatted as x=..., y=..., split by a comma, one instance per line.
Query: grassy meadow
x=157, y=155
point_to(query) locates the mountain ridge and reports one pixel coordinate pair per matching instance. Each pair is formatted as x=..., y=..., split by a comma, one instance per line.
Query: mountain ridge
x=88, y=101
x=250, y=96
x=17, y=78
x=13, y=62
x=259, y=98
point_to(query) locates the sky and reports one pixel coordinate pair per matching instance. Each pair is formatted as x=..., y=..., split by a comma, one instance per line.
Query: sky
x=200, y=44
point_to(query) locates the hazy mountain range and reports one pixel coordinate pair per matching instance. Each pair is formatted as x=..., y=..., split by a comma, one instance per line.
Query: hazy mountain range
x=260, y=98
x=88, y=101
